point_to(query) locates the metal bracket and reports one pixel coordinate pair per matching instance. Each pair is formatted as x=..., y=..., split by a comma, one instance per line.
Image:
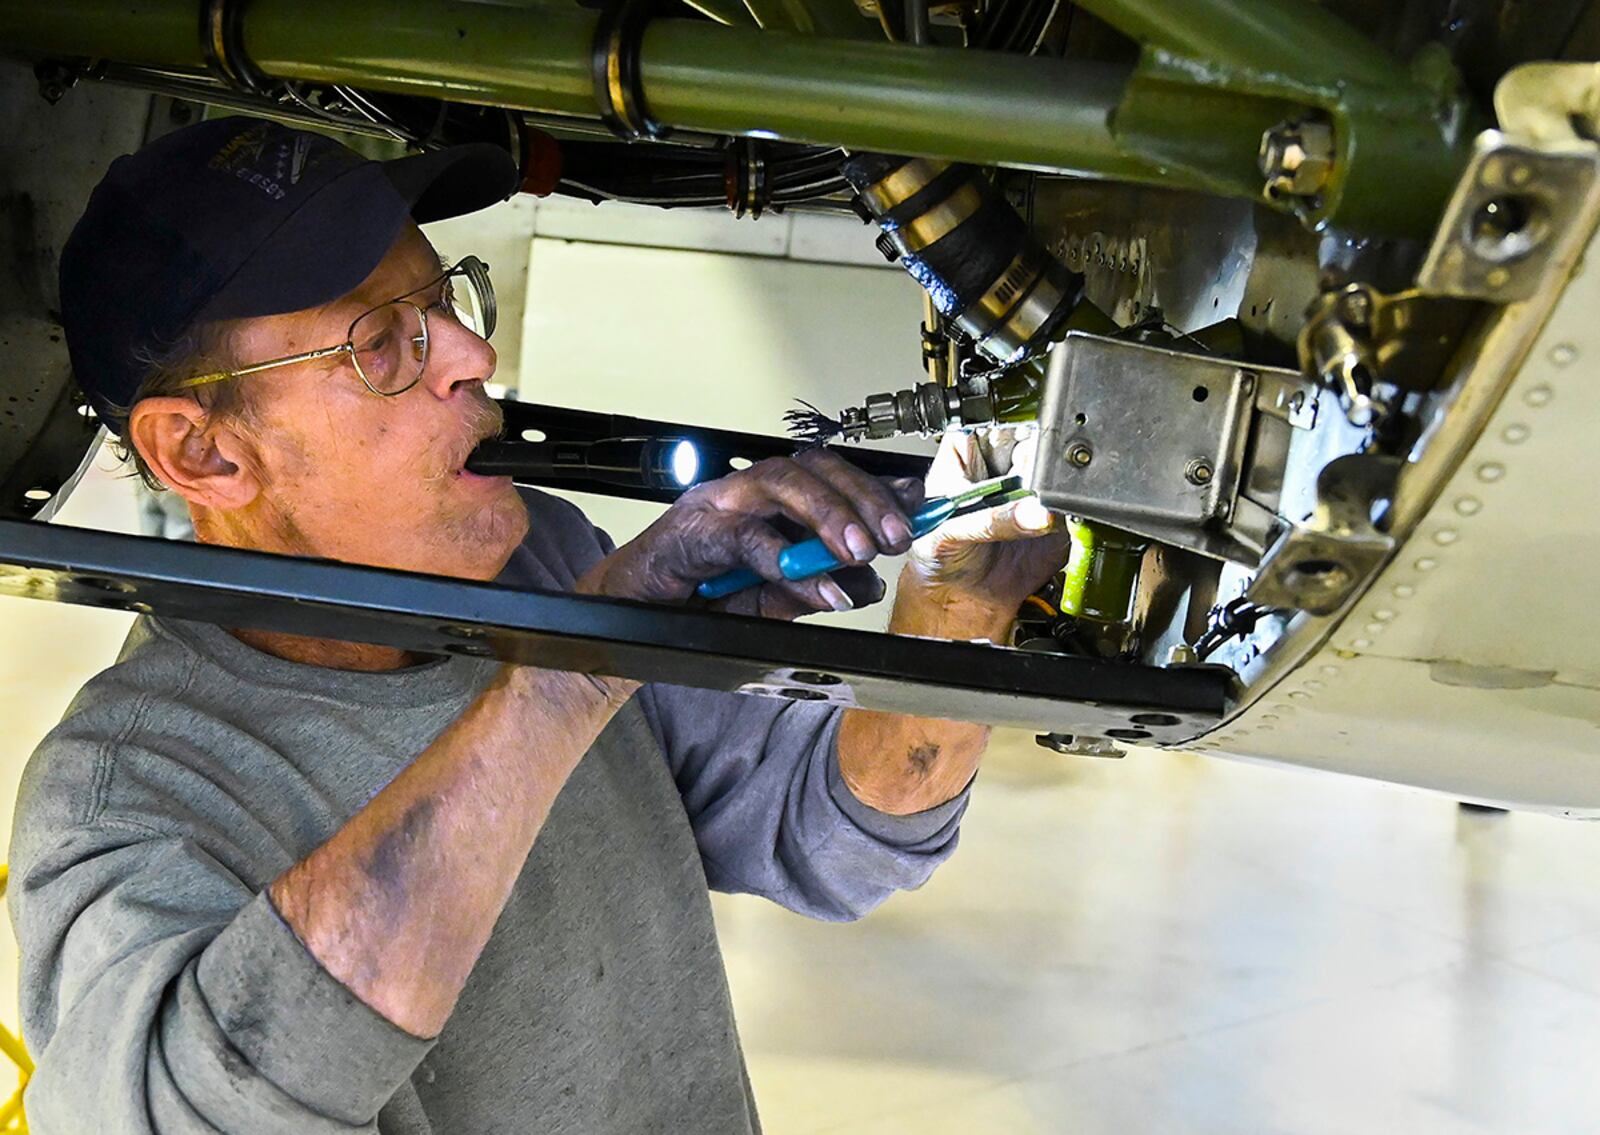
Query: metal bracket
x=1317, y=566
x=678, y=645
x=1154, y=440
x=1507, y=219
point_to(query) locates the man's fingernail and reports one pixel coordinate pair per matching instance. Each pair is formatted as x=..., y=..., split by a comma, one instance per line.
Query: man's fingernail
x=1032, y=514
x=833, y=595
x=859, y=543
x=896, y=531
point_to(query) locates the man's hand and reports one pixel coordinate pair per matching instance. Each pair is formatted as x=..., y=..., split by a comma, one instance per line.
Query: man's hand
x=964, y=580
x=747, y=518
x=986, y=561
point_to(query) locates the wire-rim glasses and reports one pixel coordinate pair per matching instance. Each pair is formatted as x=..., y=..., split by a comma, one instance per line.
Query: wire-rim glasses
x=388, y=344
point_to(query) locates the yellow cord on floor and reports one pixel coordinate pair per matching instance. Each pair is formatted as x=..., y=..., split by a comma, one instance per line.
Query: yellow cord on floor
x=12, y=1120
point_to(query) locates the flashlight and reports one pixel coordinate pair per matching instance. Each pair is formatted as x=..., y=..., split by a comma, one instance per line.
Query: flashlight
x=632, y=462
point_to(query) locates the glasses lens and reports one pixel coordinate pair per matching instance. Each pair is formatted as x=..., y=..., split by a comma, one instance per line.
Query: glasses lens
x=391, y=346
x=472, y=296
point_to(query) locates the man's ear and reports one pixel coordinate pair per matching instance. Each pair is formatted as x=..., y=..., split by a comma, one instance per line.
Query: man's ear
x=205, y=463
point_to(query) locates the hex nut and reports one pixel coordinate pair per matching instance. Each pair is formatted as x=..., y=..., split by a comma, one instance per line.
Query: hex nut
x=1297, y=157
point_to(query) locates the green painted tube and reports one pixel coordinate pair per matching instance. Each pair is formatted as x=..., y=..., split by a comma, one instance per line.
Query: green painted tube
x=943, y=102
x=1162, y=127
x=1294, y=39
x=1102, y=572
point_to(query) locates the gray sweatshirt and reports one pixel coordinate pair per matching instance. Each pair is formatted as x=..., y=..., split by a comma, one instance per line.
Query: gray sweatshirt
x=162, y=992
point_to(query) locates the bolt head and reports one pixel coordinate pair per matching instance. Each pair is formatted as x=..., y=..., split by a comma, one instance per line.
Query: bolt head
x=1080, y=454
x=1200, y=472
x=1355, y=307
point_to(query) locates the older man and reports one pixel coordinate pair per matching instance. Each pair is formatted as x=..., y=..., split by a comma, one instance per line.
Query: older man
x=271, y=883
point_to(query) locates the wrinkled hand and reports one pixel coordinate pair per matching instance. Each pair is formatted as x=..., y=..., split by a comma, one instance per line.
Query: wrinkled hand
x=747, y=518
x=999, y=556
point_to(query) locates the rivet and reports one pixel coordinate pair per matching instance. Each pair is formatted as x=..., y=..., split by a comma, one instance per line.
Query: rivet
x=1519, y=175
x=1331, y=671
x=1469, y=506
x=1313, y=684
x=1491, y=471
x=1344, y=654
x=1360, y=643
x=1426, y=563
x=1515, y=434
x=1269, y=717
x=1446, y=536
x=1404, y=591
x=1563, y=354
x=1299, y=695
x=1539, y=395
x=1497, y=278
x=1375, y=628
x=1383, y=615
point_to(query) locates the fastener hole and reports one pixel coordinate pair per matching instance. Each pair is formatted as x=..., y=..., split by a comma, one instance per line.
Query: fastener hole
x=802, y=695
x=1504, y=228
x=38, y=495
x=1129, y=734
x=1317, y=569
x=739, y=463
x=1081, y=419
x=534, y=435
x=1157, y=720
x=1200, y=394
x=814, y=678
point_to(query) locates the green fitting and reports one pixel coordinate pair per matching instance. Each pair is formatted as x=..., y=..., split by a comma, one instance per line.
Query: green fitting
x=1102, y=572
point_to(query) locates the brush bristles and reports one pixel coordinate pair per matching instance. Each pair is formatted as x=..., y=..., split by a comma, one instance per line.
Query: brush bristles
x=811, y=425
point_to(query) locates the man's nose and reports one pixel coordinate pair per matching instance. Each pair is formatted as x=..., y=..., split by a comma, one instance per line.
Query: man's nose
x=457, y=357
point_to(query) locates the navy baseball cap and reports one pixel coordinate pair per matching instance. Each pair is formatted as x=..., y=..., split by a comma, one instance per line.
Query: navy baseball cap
x=239, y=217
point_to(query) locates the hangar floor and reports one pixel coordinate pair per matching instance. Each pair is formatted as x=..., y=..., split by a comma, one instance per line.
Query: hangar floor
x=1174, y=944
x=1163, y=945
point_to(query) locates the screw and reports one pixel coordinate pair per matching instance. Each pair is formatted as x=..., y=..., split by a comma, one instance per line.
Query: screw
x=1182, y=654
x=1200, y=472
x=1079, y=454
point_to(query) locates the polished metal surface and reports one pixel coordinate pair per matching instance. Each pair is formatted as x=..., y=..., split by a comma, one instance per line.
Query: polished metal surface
x=1316, y=565
x=1147, y=439
x=1506, y=219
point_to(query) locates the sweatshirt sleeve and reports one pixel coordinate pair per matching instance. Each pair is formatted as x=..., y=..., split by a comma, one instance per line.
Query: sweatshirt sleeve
x=771, y=812
x=162, y=995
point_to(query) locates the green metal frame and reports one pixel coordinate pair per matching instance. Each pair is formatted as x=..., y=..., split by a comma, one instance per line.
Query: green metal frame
x=1213, y=75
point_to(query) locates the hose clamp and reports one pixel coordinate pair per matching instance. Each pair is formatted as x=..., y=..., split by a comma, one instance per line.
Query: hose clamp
x=222, y=45
x=614, y=65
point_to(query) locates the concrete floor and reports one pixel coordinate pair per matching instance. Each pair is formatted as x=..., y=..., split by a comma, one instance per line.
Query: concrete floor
x=1176, y=944
x=1160, y=944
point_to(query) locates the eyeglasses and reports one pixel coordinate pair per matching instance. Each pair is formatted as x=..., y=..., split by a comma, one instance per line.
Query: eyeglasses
x=388, y=345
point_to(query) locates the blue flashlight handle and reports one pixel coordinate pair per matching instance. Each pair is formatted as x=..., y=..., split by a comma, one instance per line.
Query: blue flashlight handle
x=811, y=557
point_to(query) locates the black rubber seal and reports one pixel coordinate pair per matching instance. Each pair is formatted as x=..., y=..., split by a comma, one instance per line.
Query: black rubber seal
x=222, y=44
x=618, y=37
